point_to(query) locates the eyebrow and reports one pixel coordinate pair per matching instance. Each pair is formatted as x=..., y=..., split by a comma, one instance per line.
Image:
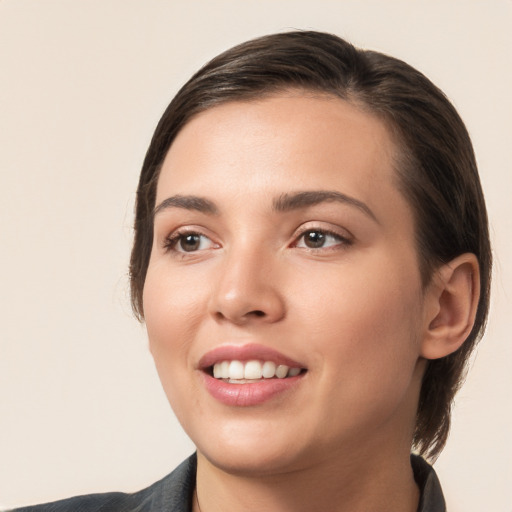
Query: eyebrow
x=199, y=204
x=287, y=202
x=284, y=203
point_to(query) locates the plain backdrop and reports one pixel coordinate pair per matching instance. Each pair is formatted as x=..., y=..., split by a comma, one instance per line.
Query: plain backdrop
x=82, y=86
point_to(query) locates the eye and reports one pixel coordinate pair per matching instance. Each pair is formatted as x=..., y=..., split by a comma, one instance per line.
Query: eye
x=188, y=242
x=320, y=238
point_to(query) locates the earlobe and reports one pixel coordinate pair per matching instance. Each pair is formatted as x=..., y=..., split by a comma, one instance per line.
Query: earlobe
x=452, y=300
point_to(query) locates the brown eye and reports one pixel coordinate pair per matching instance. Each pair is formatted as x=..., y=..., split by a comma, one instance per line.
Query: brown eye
x=320, y=239
x=190, y=242
x=314, y=239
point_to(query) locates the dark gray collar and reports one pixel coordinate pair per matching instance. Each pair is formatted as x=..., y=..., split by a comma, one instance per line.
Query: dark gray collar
x=174, y=493
x=181, y=482
x=431, y=499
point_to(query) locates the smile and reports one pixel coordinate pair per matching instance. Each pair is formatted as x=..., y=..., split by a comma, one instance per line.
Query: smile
x=239, y=372
x=249, y=375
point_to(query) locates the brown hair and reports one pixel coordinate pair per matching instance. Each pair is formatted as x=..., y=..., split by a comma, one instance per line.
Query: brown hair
x=437, y=170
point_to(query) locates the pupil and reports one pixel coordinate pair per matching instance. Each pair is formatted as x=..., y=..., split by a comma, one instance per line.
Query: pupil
x=190, y=242
x=315, y=239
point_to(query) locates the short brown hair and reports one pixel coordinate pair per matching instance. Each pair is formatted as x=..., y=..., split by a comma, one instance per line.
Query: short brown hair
x=437, y=170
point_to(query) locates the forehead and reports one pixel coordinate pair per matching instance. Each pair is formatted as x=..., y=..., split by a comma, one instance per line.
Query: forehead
x=292, y=139
x=304, y=129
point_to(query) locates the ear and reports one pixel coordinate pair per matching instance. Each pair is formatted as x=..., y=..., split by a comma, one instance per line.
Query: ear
x=451, y=302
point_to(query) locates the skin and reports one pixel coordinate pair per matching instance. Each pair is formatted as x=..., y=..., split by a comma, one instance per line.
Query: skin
x=353, y=311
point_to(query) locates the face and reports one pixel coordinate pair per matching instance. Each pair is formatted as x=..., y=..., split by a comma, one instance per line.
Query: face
x=283, y=298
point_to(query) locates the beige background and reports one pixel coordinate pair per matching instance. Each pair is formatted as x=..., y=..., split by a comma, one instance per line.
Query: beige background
x=82, y=85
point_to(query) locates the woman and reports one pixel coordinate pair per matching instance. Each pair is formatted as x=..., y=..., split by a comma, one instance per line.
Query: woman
x=312, y=262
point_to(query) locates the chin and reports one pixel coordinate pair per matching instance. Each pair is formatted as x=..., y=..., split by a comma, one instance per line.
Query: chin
x=269, y=451
x=250, y=452
x=252, y=463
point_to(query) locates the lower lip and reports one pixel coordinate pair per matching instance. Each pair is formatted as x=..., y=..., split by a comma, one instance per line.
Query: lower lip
x=246, y=395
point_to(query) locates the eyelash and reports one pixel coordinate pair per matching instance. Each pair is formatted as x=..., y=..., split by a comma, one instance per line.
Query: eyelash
x=343, y=241
x=173, y=239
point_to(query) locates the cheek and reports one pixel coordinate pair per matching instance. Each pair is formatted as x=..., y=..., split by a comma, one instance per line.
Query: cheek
x=173, y=308
x=366, y=326
x=377, y=294
x=168, y=292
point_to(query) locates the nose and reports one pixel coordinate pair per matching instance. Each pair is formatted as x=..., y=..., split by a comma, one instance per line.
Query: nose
x=247, y=290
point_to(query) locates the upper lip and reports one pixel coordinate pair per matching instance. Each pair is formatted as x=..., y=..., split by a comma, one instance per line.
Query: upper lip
x=248, y=352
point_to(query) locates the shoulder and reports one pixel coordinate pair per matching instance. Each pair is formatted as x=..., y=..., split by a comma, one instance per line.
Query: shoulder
x=173, y=493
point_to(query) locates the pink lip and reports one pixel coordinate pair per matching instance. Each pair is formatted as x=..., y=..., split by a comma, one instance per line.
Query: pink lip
x=249, y=352
x=250, y=394
x=246, y=395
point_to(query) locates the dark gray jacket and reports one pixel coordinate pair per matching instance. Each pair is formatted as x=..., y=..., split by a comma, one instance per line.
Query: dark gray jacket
x=174, y=494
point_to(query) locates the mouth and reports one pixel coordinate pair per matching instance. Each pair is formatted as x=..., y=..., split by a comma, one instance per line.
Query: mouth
x=249, y=374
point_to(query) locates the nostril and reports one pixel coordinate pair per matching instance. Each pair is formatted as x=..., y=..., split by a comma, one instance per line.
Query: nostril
x=257, y=313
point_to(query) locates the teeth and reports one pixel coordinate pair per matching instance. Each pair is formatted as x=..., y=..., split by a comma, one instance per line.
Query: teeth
x=269, y=369
x=282, y=371
x=224, y=370
x=293, y=372
x=236, y=370
x=252, y=370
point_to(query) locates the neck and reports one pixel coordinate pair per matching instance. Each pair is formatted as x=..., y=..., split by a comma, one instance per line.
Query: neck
x=366, y=483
